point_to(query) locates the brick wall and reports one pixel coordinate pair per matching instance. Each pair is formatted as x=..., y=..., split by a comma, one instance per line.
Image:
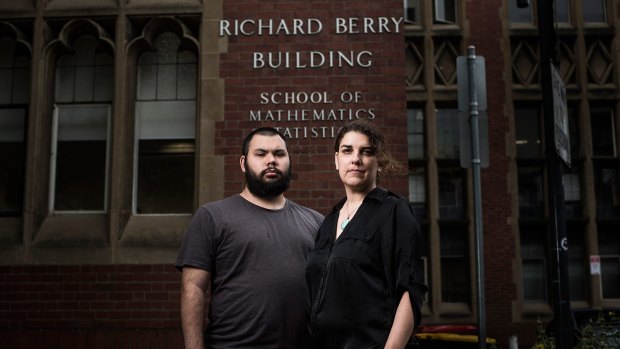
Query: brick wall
x=315, y=182
x=90, y=306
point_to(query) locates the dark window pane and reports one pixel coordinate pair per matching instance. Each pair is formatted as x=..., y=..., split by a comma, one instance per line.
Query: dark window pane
x=445, y=11
x=607, y=189
x=64, y=84
x=14, y=72
x=531, y=192
x=447, y=133
x=562, y=11
x=527, y=123
x=572, y=193
x=417, y=191
x=14, y=94
x=165, y=177
x=186, y=81
x=147, y=79
x=167, y=48
x=166, y=117
x=166, y=82
x=451, y=193
x=12, y=148
x=412, y=11
x=576, y=263
x=603, y=140
x=573, y=131
x=519, y=15
x=80, y=175
x=81, y=157
x=84, y=84
x=104, y=87
x=82, y=147
x=609, y=250
x=577, y=282
x=593, y=10
x=534, y=279
x=609, y=241
x=85, y=76
x=7, y=56
x=415, y=133
x=455, y=280
x=610, y=277
x=533, y=262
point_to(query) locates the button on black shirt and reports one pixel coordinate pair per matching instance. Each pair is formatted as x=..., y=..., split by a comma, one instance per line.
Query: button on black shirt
x=356, y=281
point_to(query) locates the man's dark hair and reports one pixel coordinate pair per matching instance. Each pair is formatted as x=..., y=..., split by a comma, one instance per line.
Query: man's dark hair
x=263, y=131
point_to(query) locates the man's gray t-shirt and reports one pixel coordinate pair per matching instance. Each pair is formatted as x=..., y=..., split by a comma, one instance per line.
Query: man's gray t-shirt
x=257, y=260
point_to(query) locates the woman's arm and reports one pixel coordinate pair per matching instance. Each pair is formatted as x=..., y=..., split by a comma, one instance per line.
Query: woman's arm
x=402, y=329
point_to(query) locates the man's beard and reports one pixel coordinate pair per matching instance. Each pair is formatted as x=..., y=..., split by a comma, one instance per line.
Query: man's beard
x=261, y=188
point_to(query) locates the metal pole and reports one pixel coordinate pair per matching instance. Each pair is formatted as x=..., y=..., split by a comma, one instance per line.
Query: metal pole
x=556, y=238
x=475, y=165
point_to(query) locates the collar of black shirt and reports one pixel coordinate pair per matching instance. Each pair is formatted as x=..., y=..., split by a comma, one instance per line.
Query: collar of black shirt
x=378, y=194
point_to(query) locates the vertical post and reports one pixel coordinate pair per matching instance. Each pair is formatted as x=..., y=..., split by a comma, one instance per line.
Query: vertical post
x=557, y=244
x=475, y=166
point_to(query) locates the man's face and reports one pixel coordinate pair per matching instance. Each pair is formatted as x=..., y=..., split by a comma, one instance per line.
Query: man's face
x=267, y=166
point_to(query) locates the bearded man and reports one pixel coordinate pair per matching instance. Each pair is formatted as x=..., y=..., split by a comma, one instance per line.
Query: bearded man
x=243, y=258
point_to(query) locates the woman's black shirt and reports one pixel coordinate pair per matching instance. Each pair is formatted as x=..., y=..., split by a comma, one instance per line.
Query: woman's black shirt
x=356, y=281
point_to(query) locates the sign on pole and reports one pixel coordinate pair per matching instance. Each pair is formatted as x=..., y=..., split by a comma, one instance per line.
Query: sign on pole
x=462, y=78
x=560, y=115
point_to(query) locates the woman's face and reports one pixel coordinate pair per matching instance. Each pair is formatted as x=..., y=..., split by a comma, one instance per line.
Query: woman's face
x=356, y=162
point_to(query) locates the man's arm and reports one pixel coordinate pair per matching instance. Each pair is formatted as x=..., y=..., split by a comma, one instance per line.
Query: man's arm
x=195, y=285
x=402, y=328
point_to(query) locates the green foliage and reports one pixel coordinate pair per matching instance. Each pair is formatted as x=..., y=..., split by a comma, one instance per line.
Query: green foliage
x=599, y=334
x=595, y=334
x=543, y=341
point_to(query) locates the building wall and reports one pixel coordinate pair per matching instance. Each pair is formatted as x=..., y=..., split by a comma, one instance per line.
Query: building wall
x=99, y=306
x=106, y=278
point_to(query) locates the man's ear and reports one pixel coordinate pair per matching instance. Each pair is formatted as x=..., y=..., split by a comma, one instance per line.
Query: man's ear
x=242, y=163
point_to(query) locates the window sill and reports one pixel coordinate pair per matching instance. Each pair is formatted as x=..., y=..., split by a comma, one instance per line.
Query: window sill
x=534, y=310
x=66, y=230
x=151, y=238
x=452, y=310
x=155, y=230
